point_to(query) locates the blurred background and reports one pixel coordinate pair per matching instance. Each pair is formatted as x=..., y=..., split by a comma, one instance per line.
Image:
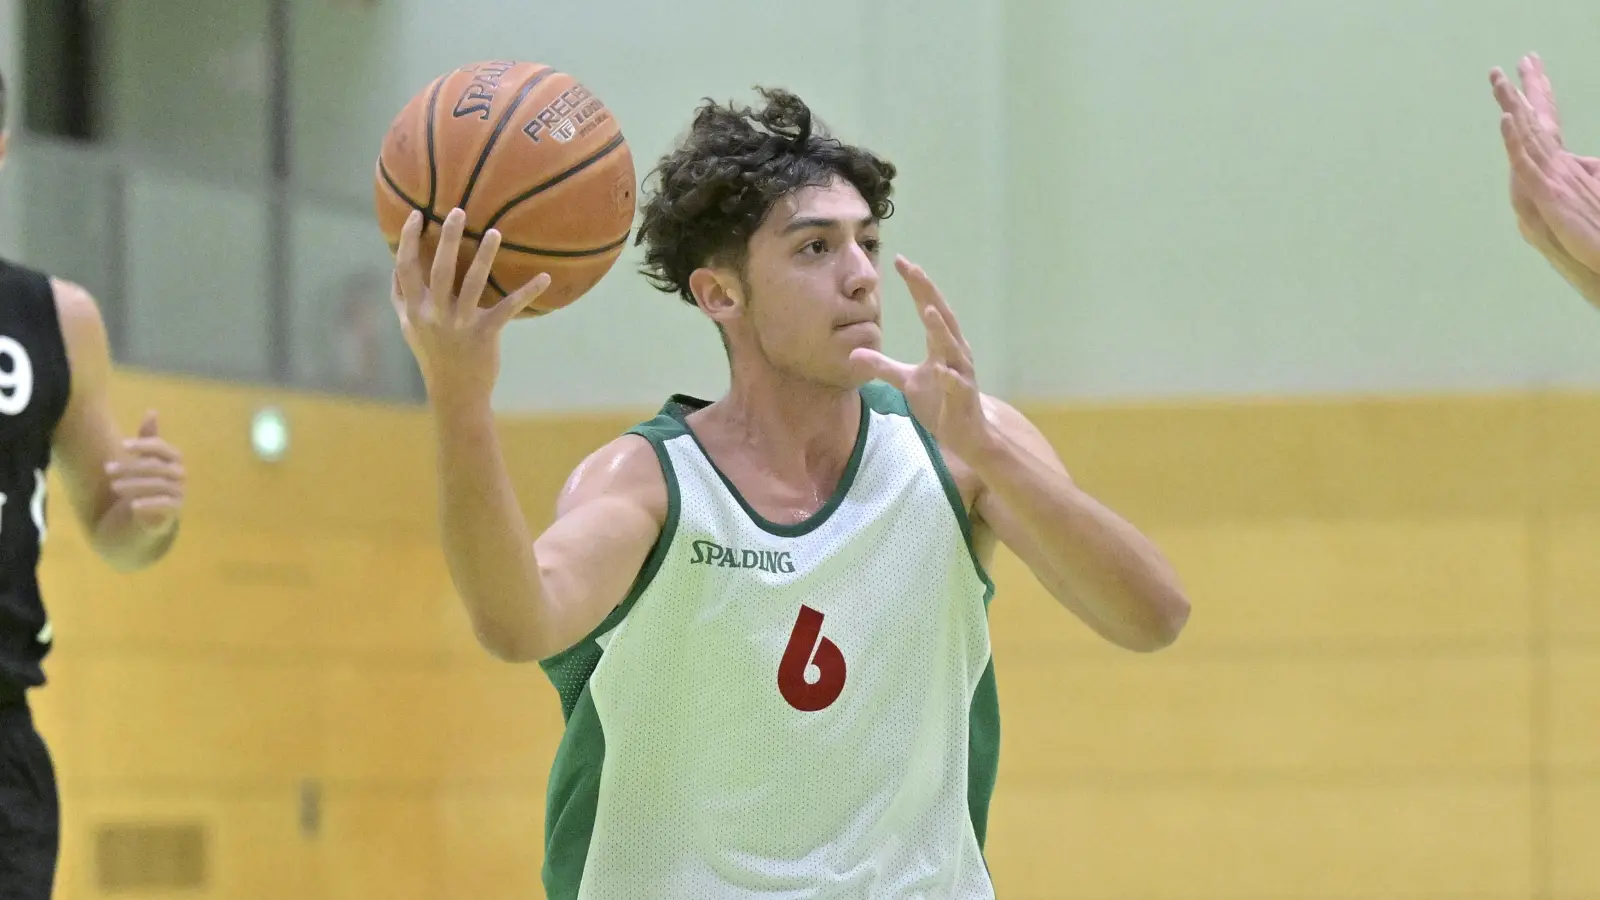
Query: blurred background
x=1250, y=264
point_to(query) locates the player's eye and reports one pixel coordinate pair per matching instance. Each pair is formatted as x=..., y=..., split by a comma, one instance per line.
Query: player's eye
x=818, y=246
x=871, y=245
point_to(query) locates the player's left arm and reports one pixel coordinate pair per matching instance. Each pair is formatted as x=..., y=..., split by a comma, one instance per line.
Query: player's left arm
x=126, y=492
x=1090, y=559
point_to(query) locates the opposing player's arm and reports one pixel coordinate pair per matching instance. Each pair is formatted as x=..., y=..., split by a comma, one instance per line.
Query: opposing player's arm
x=127, y=493
x=1091, y=560
x=530, y=599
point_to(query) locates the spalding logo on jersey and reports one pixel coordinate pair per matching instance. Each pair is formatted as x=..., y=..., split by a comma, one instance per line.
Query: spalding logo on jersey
x=16, y=377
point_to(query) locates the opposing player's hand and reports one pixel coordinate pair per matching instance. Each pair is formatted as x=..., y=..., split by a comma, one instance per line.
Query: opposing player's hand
x=149, y=479
x=943, y=389
x=1555, y=193
x=455, y=340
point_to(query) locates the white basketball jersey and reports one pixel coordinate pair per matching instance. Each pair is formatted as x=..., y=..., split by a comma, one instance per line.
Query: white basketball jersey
x=786, y=711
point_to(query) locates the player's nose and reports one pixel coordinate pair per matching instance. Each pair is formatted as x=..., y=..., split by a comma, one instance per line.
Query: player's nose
x=860, y=274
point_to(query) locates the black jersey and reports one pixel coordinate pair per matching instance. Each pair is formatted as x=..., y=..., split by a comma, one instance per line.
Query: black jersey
x=35, y=383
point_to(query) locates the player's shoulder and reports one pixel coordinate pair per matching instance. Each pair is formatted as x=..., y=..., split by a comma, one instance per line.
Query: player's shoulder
x=83, y=329
x=626, y=468
x=76, y=307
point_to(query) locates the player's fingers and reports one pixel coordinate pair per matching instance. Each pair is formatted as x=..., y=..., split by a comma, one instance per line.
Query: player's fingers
x=442, y=276
x=152, y=448
x=136, y=488
x=397, y=299
x=1526, y=165
x=1534, y=88
x=933, y=298
x=945, y=347
x=518, y=300
x=408, y=267
x=145, y=467
x=1539, y=138
x=1542, y=88
x=477, y=276
x=927, y=294
x=1503, y=89
x=868, y=364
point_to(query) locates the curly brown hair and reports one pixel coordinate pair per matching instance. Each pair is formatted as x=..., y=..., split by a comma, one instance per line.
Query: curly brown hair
x=717, y=187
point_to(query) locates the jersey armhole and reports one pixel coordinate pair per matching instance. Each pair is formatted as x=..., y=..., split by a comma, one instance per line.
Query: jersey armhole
x=885, y=398
x=657, y=431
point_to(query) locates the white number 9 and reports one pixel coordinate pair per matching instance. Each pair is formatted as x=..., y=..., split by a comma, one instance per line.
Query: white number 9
x=16, y=385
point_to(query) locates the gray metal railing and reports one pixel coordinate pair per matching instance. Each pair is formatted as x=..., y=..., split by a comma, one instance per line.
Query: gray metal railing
x=246, y=282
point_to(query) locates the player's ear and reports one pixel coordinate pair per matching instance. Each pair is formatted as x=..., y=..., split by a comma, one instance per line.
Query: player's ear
x=718, y=293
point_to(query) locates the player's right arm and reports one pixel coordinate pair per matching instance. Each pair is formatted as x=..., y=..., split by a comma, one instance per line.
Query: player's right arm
x=528, y=599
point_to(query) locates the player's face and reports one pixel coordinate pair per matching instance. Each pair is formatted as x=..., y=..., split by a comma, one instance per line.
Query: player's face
x=812, y=277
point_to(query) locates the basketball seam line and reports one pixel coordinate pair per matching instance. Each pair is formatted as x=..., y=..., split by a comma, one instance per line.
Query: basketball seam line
x=610, y=147
x=428, y=216
x=433, y=162
x=499, y=129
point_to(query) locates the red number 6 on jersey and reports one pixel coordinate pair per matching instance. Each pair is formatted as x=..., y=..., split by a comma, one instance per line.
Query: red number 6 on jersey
x=801, y=694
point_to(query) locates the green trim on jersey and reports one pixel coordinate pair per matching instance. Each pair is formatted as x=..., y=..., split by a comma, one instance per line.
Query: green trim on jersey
x=573, y=793
x=816, y=519
x=983, y=748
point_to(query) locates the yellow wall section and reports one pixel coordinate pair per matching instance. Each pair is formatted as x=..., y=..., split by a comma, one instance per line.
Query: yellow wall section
x=1390, y=686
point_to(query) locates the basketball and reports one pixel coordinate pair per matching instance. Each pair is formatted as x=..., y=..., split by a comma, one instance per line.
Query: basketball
x=522, y=148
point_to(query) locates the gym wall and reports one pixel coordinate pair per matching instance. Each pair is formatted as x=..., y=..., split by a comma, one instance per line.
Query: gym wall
x=1386, y=688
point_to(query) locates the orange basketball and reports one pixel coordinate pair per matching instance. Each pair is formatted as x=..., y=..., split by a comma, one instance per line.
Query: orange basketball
x=522, y=148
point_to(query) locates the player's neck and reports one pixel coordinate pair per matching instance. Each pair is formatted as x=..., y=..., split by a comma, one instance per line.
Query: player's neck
x=798, y=428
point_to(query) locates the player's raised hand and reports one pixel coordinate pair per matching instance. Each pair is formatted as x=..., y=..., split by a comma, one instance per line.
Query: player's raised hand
x=455, y=339
x=149, y=478
x=943, y=389
x=1556, y=194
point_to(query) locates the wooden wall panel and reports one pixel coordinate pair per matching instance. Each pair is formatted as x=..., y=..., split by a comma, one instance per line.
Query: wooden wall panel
x=165, y=719
x=1384, y=717
x=381, y=842
x=1263, y=839
x=1570, y=558
x=1574, y=710
x=1574, y=834
x=492, y=842
x=255, y=848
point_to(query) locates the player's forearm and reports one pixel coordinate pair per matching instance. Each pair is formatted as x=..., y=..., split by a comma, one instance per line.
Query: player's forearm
x=1089, y=558
x=487, y=543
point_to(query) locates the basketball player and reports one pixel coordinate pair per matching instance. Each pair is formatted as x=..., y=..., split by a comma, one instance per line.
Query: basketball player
x=127, y=493
x=766, y=616
x=1555, y=193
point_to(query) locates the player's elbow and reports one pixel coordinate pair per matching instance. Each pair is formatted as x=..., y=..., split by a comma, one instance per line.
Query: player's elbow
x=1166, y=615
x=506, y=645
